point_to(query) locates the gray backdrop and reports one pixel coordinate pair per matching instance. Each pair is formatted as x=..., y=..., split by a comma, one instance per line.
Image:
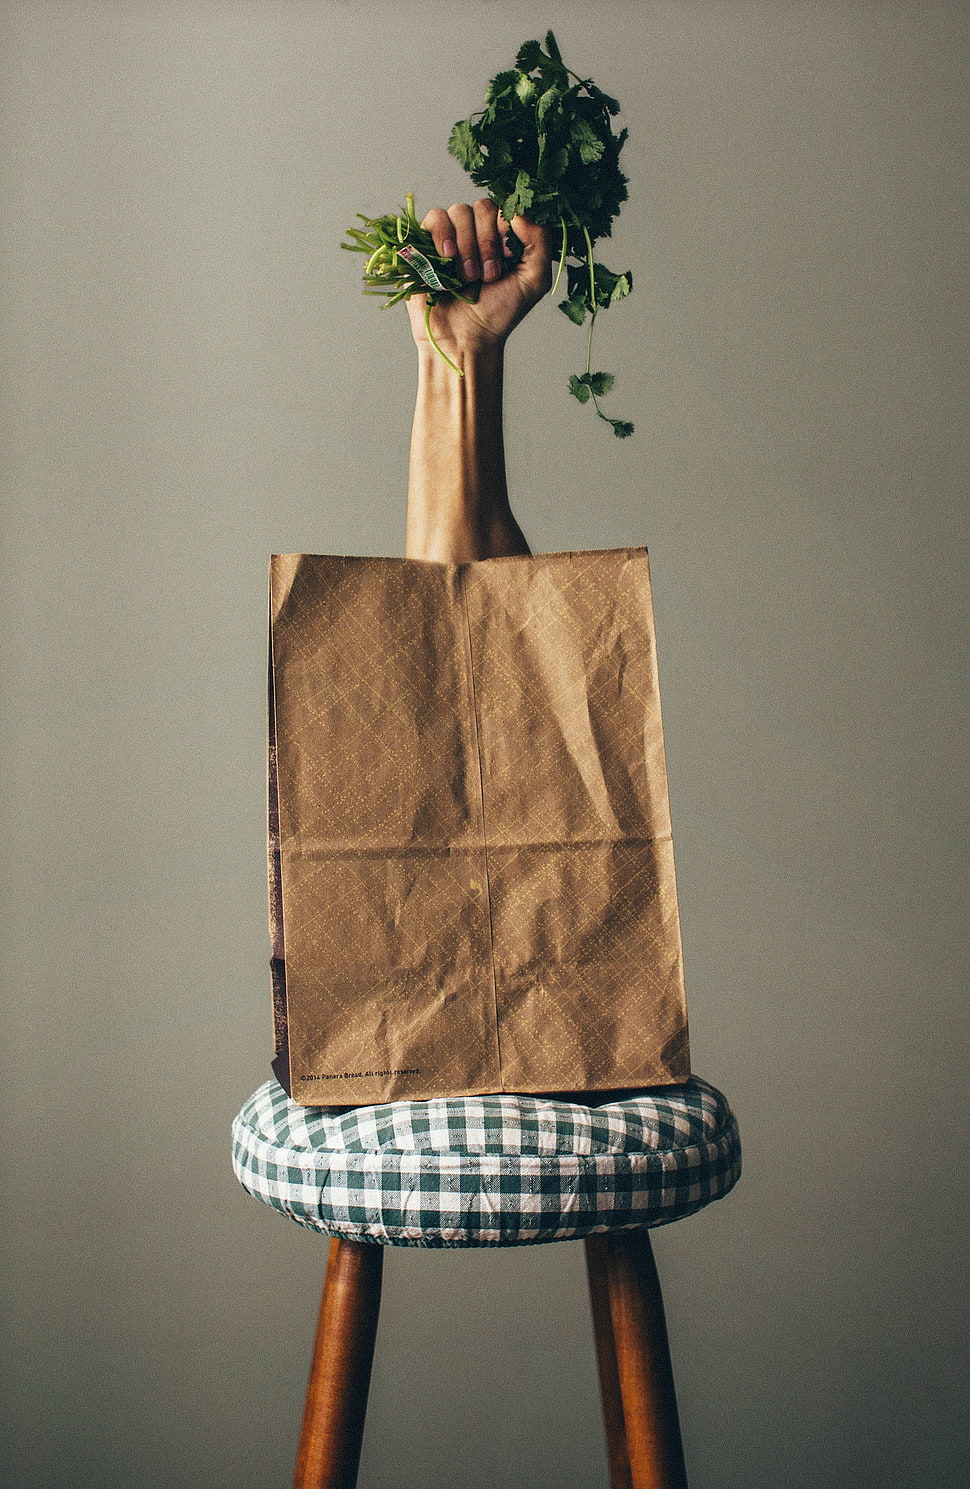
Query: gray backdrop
x=193, y=382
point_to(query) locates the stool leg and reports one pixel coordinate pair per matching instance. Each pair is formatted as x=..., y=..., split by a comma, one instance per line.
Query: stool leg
x=336, y=1399
x=599, y=1297
x=636, y=1379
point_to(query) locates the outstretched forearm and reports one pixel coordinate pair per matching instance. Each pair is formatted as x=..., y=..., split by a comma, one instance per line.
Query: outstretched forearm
x=458, y=502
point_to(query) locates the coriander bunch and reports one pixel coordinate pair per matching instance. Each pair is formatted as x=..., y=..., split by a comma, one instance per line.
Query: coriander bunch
x=544, y=146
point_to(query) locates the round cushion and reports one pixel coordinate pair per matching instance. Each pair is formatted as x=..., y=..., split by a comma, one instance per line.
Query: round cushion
x=488, y=1170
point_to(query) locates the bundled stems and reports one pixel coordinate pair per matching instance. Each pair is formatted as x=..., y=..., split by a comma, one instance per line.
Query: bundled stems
x=403, y=261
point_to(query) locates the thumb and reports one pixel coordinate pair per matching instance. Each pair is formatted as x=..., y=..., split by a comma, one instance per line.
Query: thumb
x=536, y=266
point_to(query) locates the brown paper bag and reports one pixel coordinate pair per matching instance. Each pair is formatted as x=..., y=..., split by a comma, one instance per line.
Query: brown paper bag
x=472, y=879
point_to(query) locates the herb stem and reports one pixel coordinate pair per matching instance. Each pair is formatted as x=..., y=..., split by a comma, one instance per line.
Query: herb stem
x=562, y=257
x=589, y=363
x=441, y=354
x=592, y=320
x=589, y=340
x=592, y=276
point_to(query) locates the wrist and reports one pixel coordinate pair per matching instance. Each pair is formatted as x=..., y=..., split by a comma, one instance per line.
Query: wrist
x=482, y=360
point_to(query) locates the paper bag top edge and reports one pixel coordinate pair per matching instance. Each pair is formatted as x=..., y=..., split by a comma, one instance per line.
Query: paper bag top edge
x=284, y=566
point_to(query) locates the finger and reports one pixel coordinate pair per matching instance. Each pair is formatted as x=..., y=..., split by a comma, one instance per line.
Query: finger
x=442, y=230
x=489, y=239
x=463, y=218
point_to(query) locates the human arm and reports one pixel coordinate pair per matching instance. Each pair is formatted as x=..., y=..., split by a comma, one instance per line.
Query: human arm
x=458, y=503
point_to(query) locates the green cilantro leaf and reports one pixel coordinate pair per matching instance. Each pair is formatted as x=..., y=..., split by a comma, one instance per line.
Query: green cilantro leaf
x=574, y=307
x=552, y=167
x=525, y=88
x=465, y=147
x=591, y=147
x=622, y=287
x=520, y=199
x=530, y=56
x=550, y=99
x=501, y=84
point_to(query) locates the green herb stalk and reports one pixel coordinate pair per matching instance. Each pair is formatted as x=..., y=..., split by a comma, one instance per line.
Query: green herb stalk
x=402, y=261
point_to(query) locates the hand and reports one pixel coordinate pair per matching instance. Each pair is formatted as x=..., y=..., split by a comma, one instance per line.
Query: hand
x=475, y=236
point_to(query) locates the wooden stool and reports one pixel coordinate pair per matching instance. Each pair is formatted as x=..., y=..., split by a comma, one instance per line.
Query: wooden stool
x=636, y=1381
x=493, y=1170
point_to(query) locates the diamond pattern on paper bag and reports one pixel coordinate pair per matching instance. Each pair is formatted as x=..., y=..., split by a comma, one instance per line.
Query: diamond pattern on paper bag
x=474, y=855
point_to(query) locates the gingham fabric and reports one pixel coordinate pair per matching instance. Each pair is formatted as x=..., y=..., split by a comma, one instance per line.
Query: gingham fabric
x=487, y=1170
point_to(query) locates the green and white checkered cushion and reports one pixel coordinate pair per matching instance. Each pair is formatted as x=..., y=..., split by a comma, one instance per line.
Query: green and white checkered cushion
x=488, y=1170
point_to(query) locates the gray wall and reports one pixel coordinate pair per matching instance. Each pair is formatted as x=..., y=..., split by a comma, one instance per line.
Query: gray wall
x=192, y=383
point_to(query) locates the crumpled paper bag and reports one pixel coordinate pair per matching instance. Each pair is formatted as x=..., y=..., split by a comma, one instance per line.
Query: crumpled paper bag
x=471, y=869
